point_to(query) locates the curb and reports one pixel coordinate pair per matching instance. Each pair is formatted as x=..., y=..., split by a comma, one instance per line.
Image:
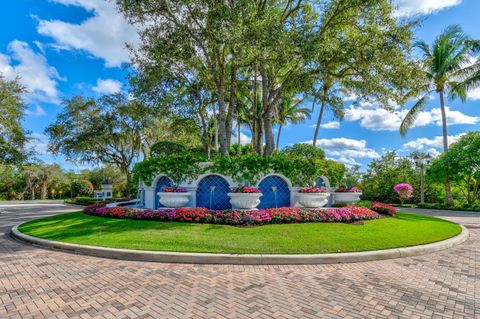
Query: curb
x=243, y=259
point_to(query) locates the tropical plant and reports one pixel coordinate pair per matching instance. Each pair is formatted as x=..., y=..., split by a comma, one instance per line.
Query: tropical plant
x=12, y=135
x=448, y=69
x=463, y=162
x=290, y=111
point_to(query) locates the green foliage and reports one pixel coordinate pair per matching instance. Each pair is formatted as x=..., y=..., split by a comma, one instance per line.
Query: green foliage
x=301, y=167
x=181, y=167
x=383, y=174
x=166, y=148
x=246, y=169
x=303, y=150
x=81, y=187
x=12, y=134
x=463, y=162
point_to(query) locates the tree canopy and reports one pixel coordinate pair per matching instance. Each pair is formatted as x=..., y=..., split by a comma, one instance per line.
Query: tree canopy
x=12, y=135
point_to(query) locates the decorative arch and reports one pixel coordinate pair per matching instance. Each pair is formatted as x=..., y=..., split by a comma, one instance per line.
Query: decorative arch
x=276, y=191
x=160, y=183
x=322, y=181
x=212, y=192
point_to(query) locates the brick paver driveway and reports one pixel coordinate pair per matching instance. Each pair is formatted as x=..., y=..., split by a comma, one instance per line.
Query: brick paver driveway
x=38, y=283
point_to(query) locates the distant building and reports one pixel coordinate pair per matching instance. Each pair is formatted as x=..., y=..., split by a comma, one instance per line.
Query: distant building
x=106, y=192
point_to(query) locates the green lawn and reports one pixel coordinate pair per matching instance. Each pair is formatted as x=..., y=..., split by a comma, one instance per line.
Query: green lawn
x=405, y=230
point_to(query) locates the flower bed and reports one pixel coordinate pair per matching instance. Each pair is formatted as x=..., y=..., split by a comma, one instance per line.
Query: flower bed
x=353, y=189
x=313, y=190
x=236, y=217
x=245, y=190
x=382, y=208
x=174, y=190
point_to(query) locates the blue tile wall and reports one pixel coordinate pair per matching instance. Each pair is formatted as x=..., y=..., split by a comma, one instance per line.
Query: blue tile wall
x=161, y=184
x=212, y=193
x=272, y=199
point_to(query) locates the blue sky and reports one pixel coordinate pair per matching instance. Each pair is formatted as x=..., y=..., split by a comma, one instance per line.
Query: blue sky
x=61, y=48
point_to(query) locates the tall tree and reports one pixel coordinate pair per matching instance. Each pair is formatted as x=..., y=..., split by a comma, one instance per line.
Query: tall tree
x=12, y=134
x=446, y=64
x=108, y=130
x=290, y=111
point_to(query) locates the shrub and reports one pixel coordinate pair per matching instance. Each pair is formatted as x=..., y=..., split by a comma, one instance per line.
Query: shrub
x=404, y=190
x=237, y=217
x=81, y=187
x=383, y=209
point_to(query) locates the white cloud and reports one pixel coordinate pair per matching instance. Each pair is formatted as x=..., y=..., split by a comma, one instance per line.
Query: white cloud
x=382, y=120
x=39, y=78
x=433, y=146
x=346, y=150
x=107, y=86
x=328, y=125
x=408, y=8
x=474, y=94
x=103, y=35
x=331, y=125
x=39, y=143
x=39, y=111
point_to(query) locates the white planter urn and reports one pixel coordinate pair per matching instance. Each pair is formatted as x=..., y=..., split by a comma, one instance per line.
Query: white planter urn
x=244, y=200
x=312, y=200
x=174, y=200
x=346, y=197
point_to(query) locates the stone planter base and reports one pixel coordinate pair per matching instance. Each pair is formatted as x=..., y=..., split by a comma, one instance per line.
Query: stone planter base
x=244, y=200
x=312, y=200
x=346, y=197
x=174, y=200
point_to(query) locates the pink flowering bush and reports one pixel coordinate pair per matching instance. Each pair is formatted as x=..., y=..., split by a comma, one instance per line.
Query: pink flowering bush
x=382, y=208
x=404, y=190
x=313, y=190
x=175, y=190
x=238, y=217
x=246, y=189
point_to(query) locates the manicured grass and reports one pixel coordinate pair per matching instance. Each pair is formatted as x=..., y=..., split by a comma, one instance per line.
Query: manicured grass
x=405, y=230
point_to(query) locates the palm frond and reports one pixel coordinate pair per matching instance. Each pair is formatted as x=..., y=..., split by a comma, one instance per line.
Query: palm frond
x=424, y=47
x=412, y=115
x=457, y=91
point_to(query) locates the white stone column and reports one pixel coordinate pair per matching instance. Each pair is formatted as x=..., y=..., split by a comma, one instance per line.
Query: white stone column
x=150, y=197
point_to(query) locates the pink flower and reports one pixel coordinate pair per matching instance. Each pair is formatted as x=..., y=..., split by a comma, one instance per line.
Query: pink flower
x=313, y=190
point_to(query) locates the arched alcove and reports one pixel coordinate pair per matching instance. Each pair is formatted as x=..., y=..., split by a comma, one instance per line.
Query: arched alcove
x=275, y=190
x=161, y=183
x=322, y=181
x=212, y=192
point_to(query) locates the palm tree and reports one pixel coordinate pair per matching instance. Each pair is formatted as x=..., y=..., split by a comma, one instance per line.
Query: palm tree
x=448, y=71
x=289, y=111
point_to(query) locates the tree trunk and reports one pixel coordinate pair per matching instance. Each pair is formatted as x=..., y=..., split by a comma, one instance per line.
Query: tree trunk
x=278, y=136
x=44, y=190
x=448, y=190
x=320, y=116
x=232, y=104
x=269, y=139
x=239, y=151
x=215, y=123
x=267, y=114
x=258, y=131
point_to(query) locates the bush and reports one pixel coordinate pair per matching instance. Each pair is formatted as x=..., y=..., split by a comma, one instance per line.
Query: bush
x=81, y=187
x=383, y=209
x=237, y=217
x=85, y=201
